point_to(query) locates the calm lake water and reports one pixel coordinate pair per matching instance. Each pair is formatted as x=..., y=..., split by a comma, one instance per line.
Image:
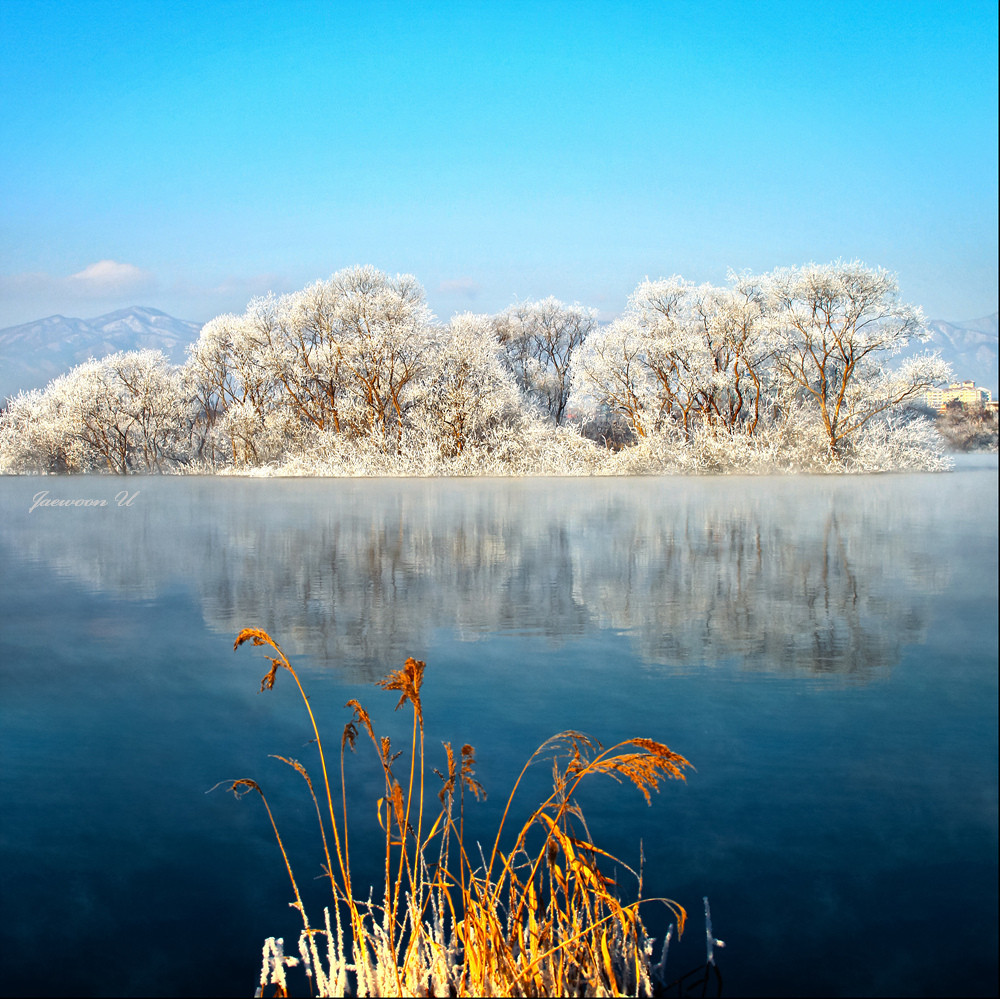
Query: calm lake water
x=824, y=650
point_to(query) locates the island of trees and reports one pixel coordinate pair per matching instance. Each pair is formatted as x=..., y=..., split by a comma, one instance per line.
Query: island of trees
x=793, y=370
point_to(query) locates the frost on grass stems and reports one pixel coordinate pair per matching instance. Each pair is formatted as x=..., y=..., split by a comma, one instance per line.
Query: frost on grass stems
x=535, y=913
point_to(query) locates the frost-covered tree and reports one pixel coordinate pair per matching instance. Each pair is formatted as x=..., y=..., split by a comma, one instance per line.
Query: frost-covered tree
x=467, y=393
x=125, y=413
x=676, y=366
x=610, y=374
x=705, y=350
x=681, y=355
x=228, y=357
x=836, y=327
x=340, y=356
x=226, y=370
x=347, y=351
x=38, y=432
x=306, y=356
x=383, y=336
x=538, y=340
x=735, y=347
x=130, y=410
x=142, y=397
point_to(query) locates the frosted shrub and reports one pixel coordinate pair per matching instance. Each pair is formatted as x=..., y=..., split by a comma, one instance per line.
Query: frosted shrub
x=902, y=443
x=659, y=452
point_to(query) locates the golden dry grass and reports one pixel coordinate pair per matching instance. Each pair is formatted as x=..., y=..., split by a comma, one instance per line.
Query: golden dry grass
x=539, y=917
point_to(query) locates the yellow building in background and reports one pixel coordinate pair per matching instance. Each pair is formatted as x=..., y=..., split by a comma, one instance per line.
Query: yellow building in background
x=968, y=393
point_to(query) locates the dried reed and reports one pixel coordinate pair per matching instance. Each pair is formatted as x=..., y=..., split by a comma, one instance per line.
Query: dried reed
x=542, y=918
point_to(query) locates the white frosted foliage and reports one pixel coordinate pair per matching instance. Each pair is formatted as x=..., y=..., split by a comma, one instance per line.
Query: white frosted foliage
x=539, y=339
x=794, y=370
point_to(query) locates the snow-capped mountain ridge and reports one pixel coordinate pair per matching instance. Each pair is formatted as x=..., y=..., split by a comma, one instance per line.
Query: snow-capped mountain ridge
x=34, y=353
x=970, y=347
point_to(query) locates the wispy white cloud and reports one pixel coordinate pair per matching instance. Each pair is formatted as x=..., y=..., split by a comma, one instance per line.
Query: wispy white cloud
x=103, y=279
x=102, y=285
x=109, y=277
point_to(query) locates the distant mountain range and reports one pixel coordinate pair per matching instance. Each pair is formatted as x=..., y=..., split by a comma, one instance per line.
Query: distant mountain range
x=32, y=354
x=970, y=348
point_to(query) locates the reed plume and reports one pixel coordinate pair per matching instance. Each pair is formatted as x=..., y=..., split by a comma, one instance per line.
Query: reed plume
x=540, y=915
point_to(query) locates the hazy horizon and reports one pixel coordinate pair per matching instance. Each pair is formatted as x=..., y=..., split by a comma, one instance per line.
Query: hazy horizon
x=135, y=306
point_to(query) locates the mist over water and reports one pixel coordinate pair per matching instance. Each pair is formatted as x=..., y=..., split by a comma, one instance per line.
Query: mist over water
x=818, y=575
x=822, y=648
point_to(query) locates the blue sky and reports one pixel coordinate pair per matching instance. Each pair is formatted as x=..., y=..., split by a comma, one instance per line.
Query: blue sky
x=189, y=156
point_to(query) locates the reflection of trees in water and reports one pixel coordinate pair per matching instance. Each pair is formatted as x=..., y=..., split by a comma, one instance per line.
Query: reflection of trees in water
x=778, y=587
x=818, y=575
x=367, y=587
